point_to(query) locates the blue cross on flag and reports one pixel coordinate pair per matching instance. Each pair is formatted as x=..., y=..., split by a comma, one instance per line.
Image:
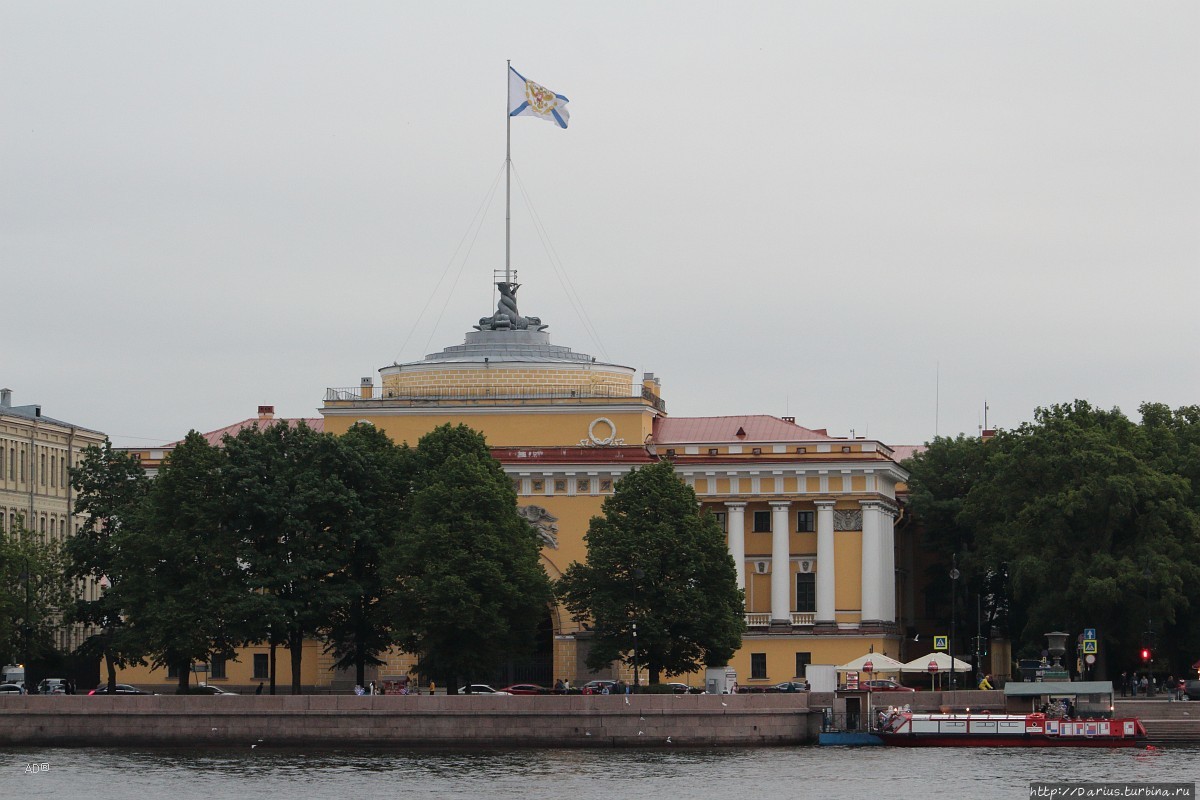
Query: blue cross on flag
x=529, y=99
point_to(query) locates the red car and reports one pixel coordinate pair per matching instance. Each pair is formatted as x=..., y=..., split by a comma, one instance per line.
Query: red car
x=526, y=688
x=885, y=685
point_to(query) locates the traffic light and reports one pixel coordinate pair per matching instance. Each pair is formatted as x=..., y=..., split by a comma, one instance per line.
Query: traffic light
x=1146, y=655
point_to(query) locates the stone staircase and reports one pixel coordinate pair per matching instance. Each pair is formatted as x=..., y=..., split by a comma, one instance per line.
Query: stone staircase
x=1166, y=722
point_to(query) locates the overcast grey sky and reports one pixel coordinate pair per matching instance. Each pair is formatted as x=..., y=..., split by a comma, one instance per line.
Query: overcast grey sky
x=804, y=208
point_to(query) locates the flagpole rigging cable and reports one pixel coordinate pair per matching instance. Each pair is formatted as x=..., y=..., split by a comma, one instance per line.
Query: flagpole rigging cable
x=507, y=179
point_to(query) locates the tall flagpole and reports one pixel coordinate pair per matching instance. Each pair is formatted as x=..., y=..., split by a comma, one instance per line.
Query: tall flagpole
x=507, y=177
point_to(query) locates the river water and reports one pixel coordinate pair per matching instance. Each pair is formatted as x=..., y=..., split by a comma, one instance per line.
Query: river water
x=263, y=773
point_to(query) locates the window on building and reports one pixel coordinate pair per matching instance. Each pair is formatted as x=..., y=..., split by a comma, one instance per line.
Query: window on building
x=1, y=462
x=539, y=486
x=217, y=667
x=713, y=451
x=560, y=486
x=262, y=667
x=758, y=666
x=806, y=591
x=756, y=451
x=722, y=520
x=806, y=521
x=762, y=521
x=845, y=448
x=22, y=465
x=583, y=485
x=173, y=672
x=54, y=470
x=670, y=453
x=802, y=662
x=43, y=468
x=606, y=485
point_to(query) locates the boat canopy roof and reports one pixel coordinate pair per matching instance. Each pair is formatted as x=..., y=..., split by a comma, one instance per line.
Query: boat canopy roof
x=1036, y=689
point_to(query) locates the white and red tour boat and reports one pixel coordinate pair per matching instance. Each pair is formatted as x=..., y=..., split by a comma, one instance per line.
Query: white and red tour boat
x=906, y=729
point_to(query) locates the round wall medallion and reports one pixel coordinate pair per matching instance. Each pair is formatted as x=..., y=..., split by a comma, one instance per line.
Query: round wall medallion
x=612, y=431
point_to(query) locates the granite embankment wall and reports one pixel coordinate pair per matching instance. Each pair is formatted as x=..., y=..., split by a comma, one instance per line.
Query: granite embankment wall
x=413, y=721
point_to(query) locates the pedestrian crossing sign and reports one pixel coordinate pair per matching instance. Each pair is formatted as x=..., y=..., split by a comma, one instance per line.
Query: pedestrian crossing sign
x=941, y=643
x=1089, y=646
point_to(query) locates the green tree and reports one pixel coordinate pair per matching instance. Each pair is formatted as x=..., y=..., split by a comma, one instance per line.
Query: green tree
x=1094, y=517
x=469, y=585
x=33, y=594
x=653, y=559
x=291, y=511
x=111, y=488
x=183, y=588
x=377, y=473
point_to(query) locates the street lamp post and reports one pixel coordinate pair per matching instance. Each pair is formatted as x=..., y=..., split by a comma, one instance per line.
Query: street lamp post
x=637, y=577
x=635, y=659
x=954, y=574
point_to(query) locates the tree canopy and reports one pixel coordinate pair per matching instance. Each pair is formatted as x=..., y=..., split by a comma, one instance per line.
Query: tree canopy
x=654, y=560
x=469, y=589
x=1094, y=518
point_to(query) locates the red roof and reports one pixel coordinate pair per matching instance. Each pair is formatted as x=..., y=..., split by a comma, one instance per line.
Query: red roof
x=903, y=451
x=711, y=430
x=216, y=437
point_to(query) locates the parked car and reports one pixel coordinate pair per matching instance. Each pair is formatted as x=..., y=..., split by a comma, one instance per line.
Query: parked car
x=210, y=689
x=789, y=686
x=122, y=688
x=10, y=688
x=1191, y=690
x=52, y=686
x=525, y=688
x=885, y=685
x=480, y=688
x=597, y=687
x=683, y=688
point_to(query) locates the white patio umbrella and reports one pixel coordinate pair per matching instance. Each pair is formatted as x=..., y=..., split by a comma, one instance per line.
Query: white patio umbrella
x=921, y=663
x=879, y=663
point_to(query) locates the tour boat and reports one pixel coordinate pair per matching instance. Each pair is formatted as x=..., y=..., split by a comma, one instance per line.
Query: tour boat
x=906, y=729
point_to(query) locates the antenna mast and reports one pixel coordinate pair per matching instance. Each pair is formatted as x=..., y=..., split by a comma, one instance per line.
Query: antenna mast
x=507, y=180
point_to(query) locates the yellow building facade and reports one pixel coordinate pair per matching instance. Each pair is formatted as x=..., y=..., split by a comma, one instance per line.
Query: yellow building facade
x=36, y=454
x=810, y=518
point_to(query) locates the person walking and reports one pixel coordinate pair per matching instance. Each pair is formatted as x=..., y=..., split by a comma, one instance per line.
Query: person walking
x=1125, y=683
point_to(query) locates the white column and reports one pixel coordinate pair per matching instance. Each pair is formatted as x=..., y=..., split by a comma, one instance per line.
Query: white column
x=781, y=563
x=735, y=521
x=887, y=520
x=872, y=567
x=826, y=566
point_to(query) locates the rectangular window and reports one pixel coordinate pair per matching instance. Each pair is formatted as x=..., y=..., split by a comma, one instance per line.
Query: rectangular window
x=722, y=520
x=806, y=521
x=801, y=450
x=762, y=521
x=806, y=591
x=802, y=662
x=262, y=667
x=758, y=666
x=217, y=665
x=670, y=453
x=54, y=470
x=173, y=672
x=757, y=451
x=714, y=451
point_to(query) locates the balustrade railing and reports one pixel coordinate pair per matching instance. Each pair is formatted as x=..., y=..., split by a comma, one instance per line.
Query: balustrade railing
x=356, y=393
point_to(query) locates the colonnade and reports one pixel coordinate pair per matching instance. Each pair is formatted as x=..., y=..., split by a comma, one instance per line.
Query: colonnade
x=877, y=587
